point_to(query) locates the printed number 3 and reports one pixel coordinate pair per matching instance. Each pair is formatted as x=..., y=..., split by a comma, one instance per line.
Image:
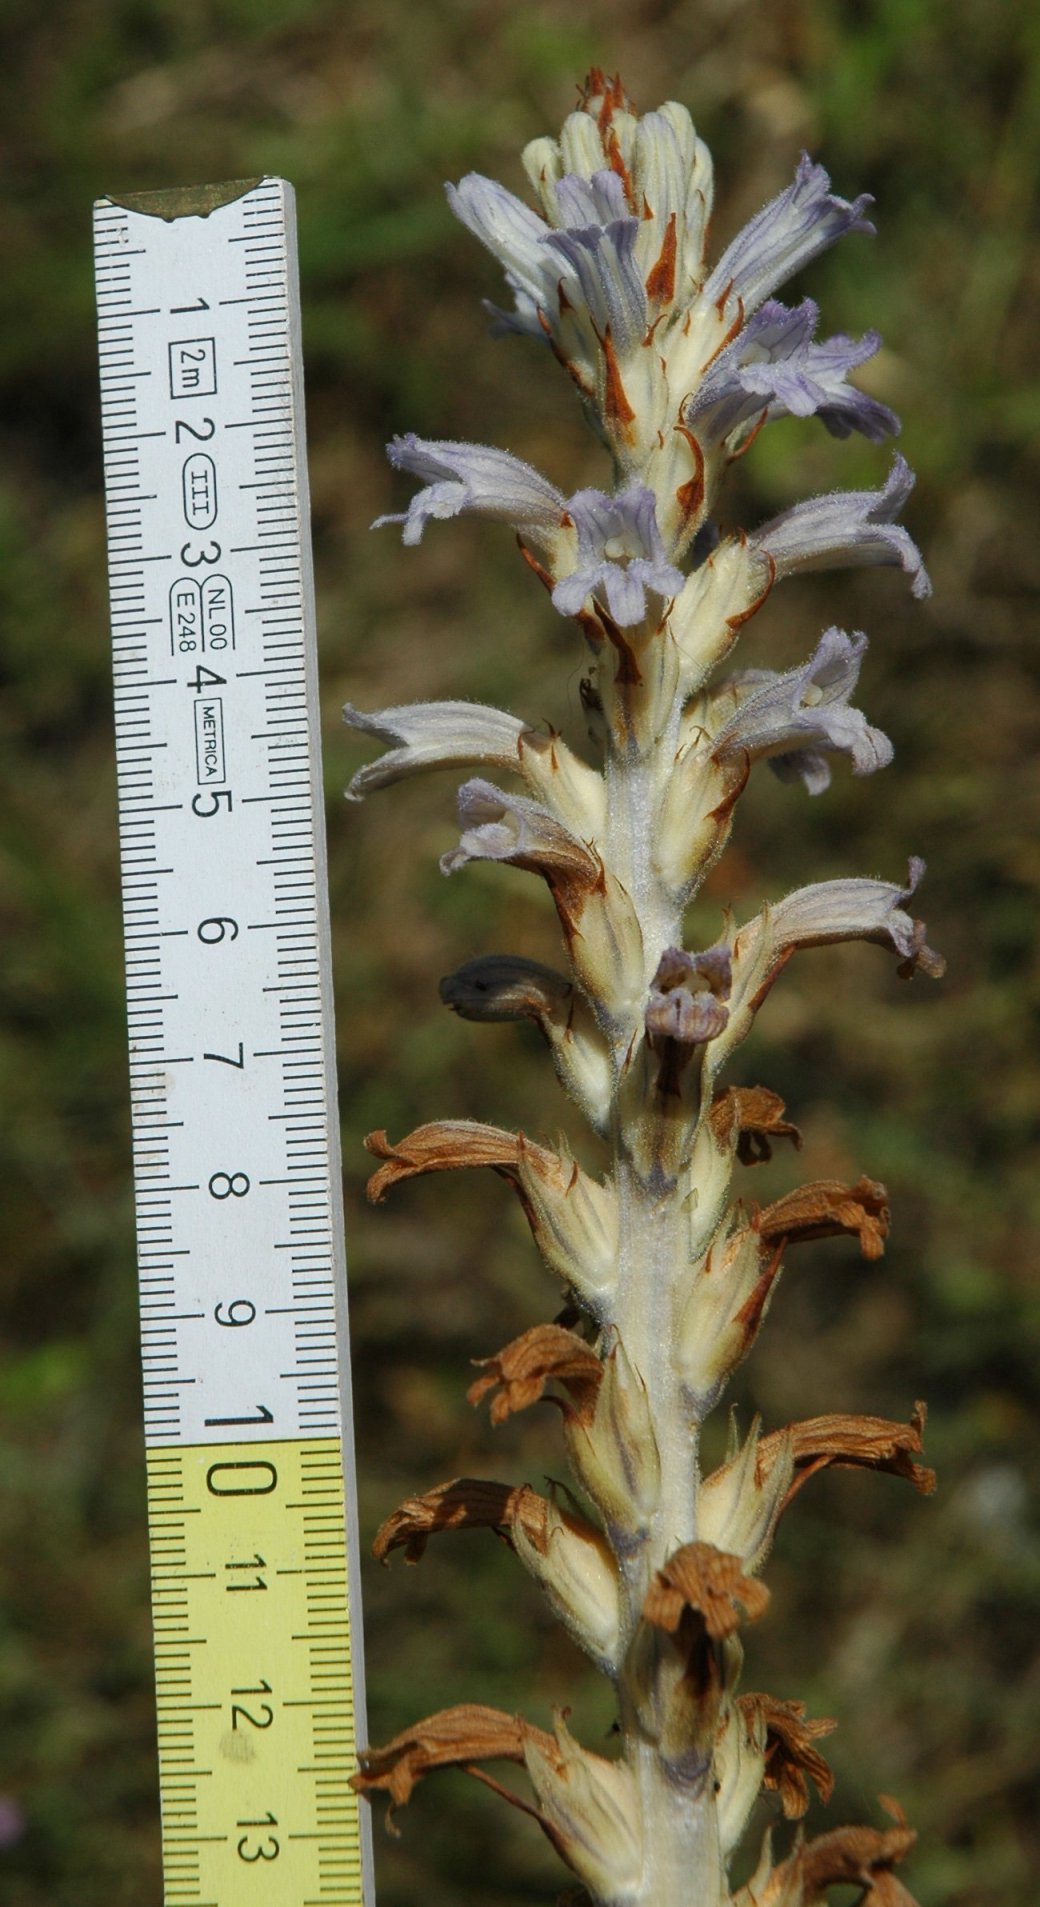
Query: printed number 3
x=266, y=1851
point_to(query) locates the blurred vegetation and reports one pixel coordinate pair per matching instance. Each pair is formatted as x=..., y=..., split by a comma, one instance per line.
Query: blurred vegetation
x=914, y=1623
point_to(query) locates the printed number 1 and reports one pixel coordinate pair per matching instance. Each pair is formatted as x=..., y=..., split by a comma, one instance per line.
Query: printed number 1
x=225, y=1058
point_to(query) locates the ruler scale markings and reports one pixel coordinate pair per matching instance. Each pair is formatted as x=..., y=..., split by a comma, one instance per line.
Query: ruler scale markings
x=258, y=1657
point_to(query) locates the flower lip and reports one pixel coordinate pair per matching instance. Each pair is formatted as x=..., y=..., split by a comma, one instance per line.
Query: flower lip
x=774, y=367
x=846, y=527
x=793, y=228
x=792, y=718
x=620, y=552
x=476, y=477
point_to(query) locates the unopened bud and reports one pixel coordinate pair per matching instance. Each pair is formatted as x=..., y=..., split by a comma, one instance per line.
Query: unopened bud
x=590, y=1810
x=574, y=1220
x=575, y=1566
x=615, y=1456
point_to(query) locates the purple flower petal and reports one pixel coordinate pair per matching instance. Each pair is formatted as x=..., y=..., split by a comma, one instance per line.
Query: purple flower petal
x=426, y=735
x=846, y=528
x=501, y=827
x=471, y=477
x=513, y=233
x=587, y=202
x=774, y=367
x=830, y=911
x=606, y=279
x=796, y=716
x=793, y=228
x=620, y=554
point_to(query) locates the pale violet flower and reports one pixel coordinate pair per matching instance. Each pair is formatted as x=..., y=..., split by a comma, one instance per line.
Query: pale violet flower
x=596, y=200
x=595, y=543
x=846, y=528
x=795, y=717
x=620, y=554
x=663, y=170
x=510, y=828
x=514, y=234
x=687, y=996
x=604, y=278
x=793, y=228
x=586, y=266
x=424, y=735
x=773, y=369
x=471, y=477
x=828, y=912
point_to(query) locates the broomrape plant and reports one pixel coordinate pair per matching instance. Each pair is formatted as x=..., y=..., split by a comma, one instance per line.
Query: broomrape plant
x=653, y=1566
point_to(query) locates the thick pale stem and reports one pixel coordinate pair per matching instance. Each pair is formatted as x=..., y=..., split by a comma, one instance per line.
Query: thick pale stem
x=683, y=1865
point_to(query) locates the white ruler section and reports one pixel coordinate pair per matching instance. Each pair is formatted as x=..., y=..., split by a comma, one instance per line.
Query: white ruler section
x=221, y=821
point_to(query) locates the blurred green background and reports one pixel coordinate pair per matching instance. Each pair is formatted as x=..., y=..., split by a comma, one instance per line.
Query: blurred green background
x=913, y=1622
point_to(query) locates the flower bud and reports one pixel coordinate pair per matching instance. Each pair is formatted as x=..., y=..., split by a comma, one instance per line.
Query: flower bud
x=590, y=1810
x=740, y=1753
x=712, y=605
x=725, y=1307
x=574, y=1220
x=695, y=815
x=738, y=1508
x=615, y=1456
x=509, y=987
x=575, y=1566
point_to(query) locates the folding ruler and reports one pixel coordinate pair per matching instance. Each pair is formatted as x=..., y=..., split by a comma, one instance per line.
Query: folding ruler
x=236, y=1144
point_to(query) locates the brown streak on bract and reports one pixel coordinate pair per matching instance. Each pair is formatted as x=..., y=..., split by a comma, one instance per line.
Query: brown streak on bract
x=616, y=408
x=690, y=495
x=628, y=670
x=660, y=282
x=746, y=442
x=572, y=369
x=590, y=627
x=534, y=564
x=752, y=1311
x=766, y=984
x=741, y=616
x=616, y=161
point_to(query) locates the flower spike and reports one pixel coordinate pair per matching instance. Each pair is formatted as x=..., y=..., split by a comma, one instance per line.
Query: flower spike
x=667, y=1273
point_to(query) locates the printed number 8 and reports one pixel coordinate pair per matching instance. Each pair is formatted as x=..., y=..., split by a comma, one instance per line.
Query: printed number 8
x=229, y=1185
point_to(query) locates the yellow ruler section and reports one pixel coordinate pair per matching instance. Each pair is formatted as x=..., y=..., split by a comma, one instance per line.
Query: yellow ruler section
x=254, y=1677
